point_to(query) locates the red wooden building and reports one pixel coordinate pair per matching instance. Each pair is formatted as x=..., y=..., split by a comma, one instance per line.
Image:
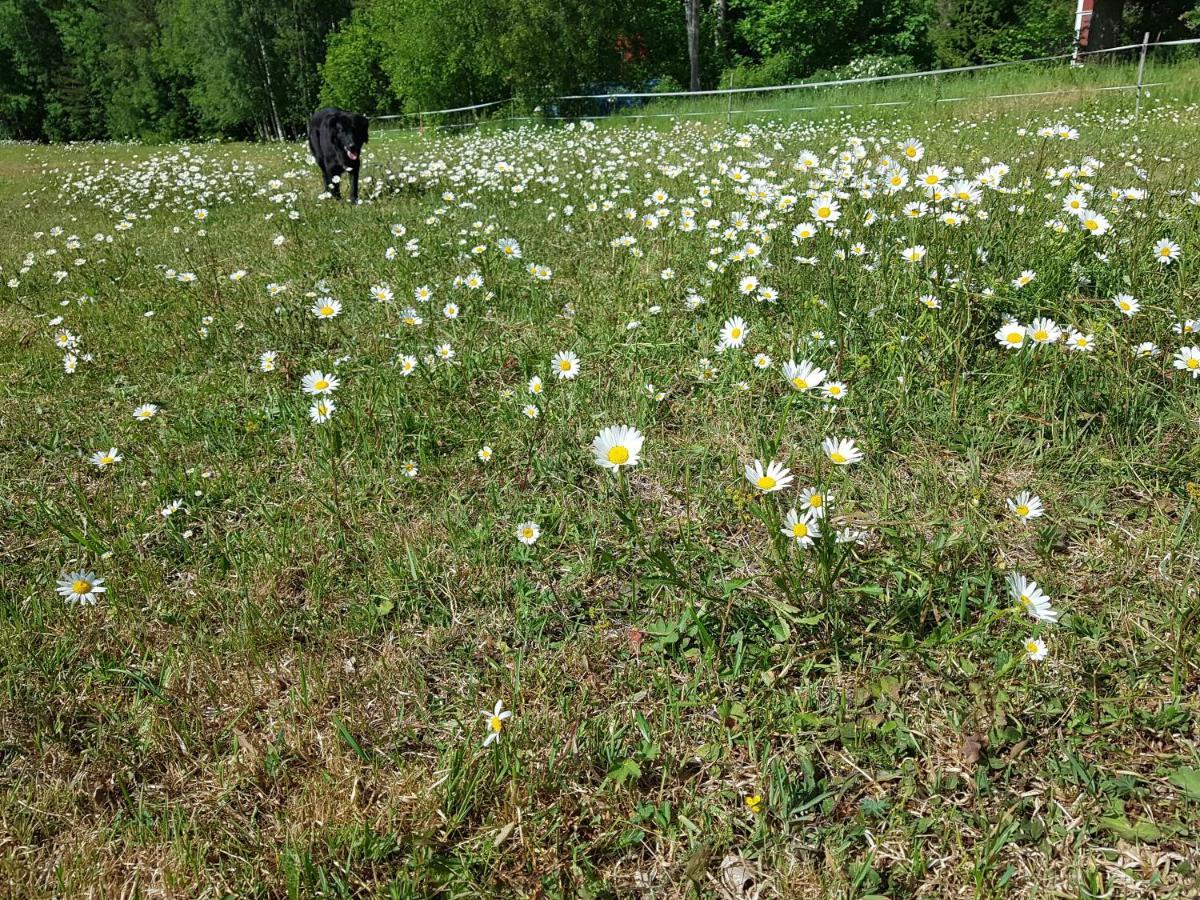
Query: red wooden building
x=1083, y=27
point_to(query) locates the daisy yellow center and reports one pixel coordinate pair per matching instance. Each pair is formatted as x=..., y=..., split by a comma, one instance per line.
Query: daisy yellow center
x=815, y=501
x=496, y=723
x=735, y=333
x=766, y=482
x=823, y=212
x=1165, y=251
x=911, y=151
x=1193, y=363
x=1031, y=647
x=565, y=365
x=1091, y=224
x=618, y=455
x=81, y=586
x=527, y=533
x=1026, y=600
x=1022, y=510
x=320, y=384
x=1041, y=335
x=837, y=457
x=105, y=459
x=1124, y=304
x=327, y=310
x=799, y=383
x=800, y=530
x=1014, y=337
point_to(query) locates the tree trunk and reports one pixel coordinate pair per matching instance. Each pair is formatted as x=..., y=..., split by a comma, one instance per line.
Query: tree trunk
x=691, y=9
x=262, y=49
x=721, y=41
x=1106, y=24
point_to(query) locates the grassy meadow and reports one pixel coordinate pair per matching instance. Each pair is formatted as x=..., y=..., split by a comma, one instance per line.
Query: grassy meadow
x=345, y=479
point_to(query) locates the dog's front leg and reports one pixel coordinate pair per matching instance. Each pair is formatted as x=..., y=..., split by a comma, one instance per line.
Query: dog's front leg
x=354, y=185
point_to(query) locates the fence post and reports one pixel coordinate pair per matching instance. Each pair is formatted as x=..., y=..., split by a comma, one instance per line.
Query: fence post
x=729, y=106
x=1137, y=104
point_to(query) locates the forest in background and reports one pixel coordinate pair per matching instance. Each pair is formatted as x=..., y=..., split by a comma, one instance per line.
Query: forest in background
x=160, y=70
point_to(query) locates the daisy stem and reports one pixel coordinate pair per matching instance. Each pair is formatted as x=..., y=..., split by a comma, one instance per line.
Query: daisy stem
x=335, y=472
x=783, y=418
x=631, y=517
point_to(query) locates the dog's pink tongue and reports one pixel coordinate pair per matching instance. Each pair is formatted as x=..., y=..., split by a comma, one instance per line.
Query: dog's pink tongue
x=352, y=154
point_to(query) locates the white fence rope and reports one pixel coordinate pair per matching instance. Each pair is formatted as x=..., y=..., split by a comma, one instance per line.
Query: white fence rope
x=780, y=109
x=434, y=112
x=843, y=82
x=756, y=110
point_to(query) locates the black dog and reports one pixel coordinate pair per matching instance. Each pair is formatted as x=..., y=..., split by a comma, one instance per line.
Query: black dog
x=336, y=138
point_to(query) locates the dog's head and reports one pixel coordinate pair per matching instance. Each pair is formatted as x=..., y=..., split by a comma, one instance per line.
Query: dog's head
x=350, y=133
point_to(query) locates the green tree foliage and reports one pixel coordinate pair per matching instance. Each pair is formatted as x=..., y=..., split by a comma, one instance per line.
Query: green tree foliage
x=1158, y=17
x=438, y=53
x=158, y=69
x=434, y=54
x=978, y=31
x=31, y=61
x=352, y=75
x=167, y=69
x=600, y=42
x=820, y=34
x=252, y=67
x=794, y=39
